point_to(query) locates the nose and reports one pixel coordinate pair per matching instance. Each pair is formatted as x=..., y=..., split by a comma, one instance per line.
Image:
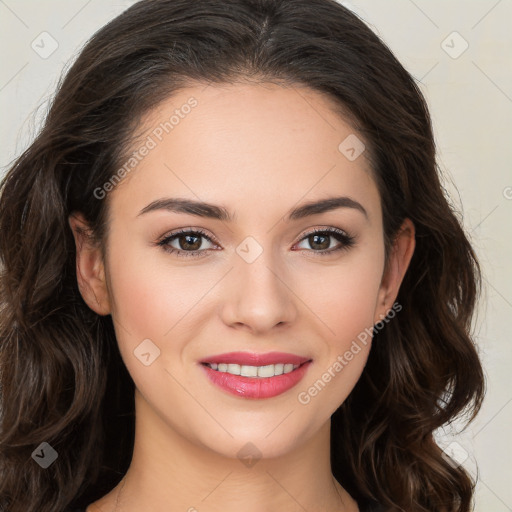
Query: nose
x=258, y=295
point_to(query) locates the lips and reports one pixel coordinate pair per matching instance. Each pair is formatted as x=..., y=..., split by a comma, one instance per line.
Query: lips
x=252, y=359
x=255, y=387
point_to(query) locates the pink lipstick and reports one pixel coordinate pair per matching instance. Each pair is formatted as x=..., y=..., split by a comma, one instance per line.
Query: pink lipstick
x=256, y=376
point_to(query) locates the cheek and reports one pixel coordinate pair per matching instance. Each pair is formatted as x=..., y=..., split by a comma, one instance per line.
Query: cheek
x=150, y=302
x=344, y=302
x=343, y=297
x=149, y=297
x=156, y=301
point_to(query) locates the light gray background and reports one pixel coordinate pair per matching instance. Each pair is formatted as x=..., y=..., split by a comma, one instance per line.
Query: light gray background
x=470, y=97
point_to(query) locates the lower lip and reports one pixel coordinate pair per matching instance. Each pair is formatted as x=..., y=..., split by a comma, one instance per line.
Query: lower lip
x=256, y=387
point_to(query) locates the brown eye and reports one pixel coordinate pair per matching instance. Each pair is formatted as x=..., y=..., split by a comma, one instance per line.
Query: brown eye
x=190, y=243
x=320, y=240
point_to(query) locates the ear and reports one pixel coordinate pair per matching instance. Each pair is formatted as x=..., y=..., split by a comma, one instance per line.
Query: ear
x=399, y=259
x=90, y=271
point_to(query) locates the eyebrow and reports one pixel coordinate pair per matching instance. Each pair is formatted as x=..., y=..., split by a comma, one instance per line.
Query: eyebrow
x=201, y=209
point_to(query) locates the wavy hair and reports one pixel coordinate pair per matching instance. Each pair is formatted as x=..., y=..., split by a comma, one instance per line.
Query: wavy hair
x=62, y=377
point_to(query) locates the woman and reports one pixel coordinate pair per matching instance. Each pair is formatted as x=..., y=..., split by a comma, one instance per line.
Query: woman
x=231, y=279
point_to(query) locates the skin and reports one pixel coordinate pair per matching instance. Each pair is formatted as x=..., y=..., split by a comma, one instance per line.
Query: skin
x=259, y=150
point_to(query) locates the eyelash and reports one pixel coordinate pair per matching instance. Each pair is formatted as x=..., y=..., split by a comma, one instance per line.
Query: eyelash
x=347, y=241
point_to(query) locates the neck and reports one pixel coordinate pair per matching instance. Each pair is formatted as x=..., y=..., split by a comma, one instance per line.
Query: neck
x=169, y=472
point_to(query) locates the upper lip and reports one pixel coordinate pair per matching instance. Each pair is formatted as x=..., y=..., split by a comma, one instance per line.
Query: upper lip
x=252, y=359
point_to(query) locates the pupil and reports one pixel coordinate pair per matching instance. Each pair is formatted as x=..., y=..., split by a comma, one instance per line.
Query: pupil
x=187, y=237
x=315, y=237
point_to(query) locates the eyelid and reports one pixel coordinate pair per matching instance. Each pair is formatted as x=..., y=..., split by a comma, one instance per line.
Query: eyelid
x=323, y=229
x=187, y=230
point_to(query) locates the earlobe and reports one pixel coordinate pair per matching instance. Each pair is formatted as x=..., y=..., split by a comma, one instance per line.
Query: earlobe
x=399, y=260
x=90, y=270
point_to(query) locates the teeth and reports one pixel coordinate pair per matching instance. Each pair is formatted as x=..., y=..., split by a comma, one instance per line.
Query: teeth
x=288, y=368
x=278, y=369
x=248, y=371
x=266, y=371
x=269, y=370
x=234, y=369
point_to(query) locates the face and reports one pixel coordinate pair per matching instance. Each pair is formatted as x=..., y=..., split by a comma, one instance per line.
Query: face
x=184, y=288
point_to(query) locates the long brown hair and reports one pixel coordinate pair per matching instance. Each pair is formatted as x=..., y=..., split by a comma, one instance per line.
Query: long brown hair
x=62, y=378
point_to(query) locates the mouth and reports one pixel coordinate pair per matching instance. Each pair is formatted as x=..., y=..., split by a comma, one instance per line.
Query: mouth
x=250, y=375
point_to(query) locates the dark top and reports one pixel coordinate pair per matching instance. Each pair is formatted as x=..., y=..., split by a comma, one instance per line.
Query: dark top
x=370, y=507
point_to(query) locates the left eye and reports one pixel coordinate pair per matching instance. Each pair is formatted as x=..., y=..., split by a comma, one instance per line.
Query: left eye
x=318, y=237
x=190, y=243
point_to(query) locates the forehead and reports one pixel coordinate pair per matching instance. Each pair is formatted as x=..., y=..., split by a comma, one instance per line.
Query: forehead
x=241, y=144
